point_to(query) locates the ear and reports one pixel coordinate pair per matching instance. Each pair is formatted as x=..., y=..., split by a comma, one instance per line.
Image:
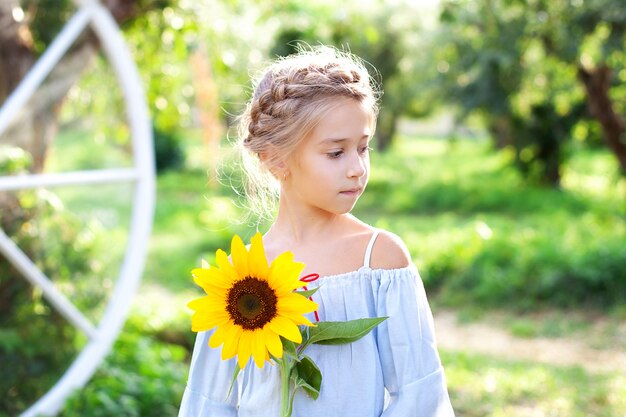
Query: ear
x=281, y=171
x=274, y=164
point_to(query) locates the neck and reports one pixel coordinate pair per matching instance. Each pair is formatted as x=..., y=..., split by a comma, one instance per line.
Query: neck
x=304, y=224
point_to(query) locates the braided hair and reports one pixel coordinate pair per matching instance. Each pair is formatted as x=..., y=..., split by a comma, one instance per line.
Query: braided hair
x=289, y=100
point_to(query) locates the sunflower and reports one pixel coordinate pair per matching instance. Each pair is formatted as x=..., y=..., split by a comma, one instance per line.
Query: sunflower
x=251, y=304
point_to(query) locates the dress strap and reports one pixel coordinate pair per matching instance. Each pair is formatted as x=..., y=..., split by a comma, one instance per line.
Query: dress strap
x=368, y=251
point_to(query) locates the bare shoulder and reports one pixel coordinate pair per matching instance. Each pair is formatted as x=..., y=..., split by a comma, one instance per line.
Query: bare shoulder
x=389, y=252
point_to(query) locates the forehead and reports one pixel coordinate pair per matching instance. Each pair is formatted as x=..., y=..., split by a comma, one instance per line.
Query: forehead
x=344, y=119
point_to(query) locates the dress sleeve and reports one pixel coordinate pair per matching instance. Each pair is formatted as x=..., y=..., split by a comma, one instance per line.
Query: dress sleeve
x=412, y=370
x=206, y=394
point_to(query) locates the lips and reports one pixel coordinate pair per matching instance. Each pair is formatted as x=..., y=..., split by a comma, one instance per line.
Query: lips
x=351, y=191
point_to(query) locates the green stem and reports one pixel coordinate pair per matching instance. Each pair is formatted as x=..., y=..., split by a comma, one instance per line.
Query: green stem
x=285, y=409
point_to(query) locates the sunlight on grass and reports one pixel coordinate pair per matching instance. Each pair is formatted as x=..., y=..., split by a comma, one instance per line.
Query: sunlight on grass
x=482, y=386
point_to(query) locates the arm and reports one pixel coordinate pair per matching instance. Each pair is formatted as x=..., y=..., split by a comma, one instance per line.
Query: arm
x=412, y=370
x=206, y=394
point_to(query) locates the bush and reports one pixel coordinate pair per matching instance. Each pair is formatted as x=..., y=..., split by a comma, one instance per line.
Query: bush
x=539, y=266
x=142, y=377
x=481, y=234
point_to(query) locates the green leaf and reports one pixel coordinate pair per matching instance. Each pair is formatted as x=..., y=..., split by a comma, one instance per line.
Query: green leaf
x=308, y=376
x=289, y=348
x=342, y=332
x=234, y=378
x=307, y=293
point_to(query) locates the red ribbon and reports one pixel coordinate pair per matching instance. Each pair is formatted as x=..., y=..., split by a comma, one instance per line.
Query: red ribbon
x=311, y=278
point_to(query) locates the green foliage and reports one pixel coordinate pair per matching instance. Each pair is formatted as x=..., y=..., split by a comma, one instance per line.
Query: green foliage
x=47, y=19
x=142, y=377
x=308, y=376
x=517, y=65
x=340, y=332
x=531, y=269
x=14, y=160
x=168, y=152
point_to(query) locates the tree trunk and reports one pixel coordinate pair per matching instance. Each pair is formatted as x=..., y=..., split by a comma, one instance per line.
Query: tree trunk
x=499, y=128
x=597, y=82
x=386, y=129
x=16, y=58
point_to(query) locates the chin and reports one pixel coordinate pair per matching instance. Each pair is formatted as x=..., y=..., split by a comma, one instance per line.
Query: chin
x=345, y=210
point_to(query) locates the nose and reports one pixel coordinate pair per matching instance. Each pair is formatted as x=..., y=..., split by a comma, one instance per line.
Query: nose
x=358, y=166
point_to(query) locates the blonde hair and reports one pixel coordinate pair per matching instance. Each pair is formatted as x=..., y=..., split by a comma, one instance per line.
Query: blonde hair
x=289, y=100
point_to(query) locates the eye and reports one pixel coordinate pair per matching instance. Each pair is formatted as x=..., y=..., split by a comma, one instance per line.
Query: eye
x=335, y=154
x=364, y=149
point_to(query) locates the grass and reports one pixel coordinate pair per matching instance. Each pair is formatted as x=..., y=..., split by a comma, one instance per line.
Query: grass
x=482, y=386
x=450, y=202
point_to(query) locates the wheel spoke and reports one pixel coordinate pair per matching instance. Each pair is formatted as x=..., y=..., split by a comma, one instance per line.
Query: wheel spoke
x=29, y=270
x=20, y=182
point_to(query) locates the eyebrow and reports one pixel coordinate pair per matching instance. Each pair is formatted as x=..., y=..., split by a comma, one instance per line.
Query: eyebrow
x=339, y=140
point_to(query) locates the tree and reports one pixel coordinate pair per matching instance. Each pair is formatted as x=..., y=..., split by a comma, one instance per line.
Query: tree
x=519, y=65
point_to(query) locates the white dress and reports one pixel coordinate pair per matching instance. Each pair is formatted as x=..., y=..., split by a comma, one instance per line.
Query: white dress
x=394, y=371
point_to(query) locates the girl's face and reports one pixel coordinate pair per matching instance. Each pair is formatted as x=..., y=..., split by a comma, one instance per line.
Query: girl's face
x=330, y=168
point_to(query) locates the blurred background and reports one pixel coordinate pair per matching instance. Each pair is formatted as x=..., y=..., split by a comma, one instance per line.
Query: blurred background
x=500, y=160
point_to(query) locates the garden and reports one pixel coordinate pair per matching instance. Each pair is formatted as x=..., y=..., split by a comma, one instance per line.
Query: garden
x=514, y=213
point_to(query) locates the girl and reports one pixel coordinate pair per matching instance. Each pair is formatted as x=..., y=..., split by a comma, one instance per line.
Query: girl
x=309, y=126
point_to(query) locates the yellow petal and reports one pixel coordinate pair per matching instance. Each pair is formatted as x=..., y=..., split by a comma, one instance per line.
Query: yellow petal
x=258, y=262
x=231, y=344
x=217, y=338
x=208, y=304
x=298, y=319
x=284, y=272
x=296, y=304
x=202, y=322
x=198, y=303
x=274, y=345
x=245, y=348
x=277, y=266
x=221, y=258
x=286, y=328
x=239, y=255
x=258, y=348
x=210, y=277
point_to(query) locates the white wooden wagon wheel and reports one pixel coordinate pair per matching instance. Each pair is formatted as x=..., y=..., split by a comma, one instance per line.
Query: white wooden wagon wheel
x=100, y=336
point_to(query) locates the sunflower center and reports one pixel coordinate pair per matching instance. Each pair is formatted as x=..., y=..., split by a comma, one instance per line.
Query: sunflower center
x=251, y=303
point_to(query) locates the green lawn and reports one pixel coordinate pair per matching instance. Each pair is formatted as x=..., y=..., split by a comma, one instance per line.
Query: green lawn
x=482, y=386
